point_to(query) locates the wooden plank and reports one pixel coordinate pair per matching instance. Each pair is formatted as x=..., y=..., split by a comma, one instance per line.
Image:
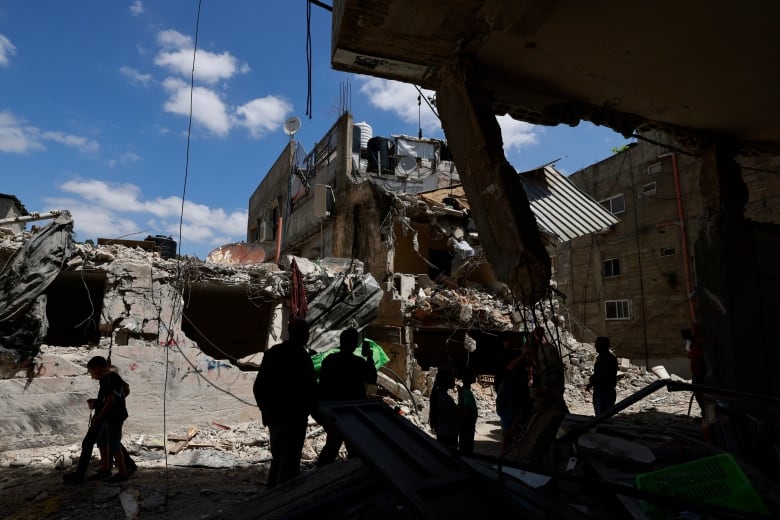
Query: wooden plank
x=183, y=443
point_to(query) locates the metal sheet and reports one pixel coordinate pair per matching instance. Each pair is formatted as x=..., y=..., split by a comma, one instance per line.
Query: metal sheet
x=238, y=253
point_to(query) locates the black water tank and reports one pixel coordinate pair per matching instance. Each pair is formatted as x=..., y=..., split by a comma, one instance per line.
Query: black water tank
x=379, y=155
x=356, y=139
x=166, y=246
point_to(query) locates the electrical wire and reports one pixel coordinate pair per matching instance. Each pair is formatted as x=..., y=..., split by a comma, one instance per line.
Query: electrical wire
x=308, y=59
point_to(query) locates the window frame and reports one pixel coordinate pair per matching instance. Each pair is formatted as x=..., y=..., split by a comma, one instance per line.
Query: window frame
x=609, y=201
x=652, y=191
x=613, y=262
x=655, y=168
x=665, y=251
x=620, y=305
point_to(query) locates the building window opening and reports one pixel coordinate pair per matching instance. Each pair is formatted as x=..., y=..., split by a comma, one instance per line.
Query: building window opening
x=655, y=168
x=617, y=309
x=615, y=204
x=610, y=267
x=649, y=189
x=667, y=251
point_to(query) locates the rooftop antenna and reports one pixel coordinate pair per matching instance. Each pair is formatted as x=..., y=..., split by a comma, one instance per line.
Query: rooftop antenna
x=291, y=125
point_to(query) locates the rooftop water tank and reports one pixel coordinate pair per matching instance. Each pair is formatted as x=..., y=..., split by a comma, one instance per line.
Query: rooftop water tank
x=166, y=246
x=366, y=133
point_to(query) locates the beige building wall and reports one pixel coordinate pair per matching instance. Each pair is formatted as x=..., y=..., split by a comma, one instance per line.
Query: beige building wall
x=655, y=263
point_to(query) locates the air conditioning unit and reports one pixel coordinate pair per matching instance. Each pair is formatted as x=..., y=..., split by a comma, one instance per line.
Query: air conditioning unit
x=320, y=204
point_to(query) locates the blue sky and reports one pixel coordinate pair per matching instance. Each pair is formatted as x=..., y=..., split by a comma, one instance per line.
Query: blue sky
x=94, y=108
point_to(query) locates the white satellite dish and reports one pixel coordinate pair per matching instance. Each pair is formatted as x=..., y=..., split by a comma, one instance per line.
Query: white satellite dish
x=407, y=164
x=292, y=125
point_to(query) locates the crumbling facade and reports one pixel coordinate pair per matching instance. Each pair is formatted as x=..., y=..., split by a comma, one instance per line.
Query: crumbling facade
x=396, y=205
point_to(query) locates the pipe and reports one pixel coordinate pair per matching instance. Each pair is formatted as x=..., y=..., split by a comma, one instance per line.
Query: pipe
x=683, y=237
x=31, y=217
x=278, y=239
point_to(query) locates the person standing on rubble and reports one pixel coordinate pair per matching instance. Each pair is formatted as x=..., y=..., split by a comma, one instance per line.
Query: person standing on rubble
x=511, y=384
x=604, y=377
x=467, y=413
x=285, y=390
x=343, y=377
x=443, y=412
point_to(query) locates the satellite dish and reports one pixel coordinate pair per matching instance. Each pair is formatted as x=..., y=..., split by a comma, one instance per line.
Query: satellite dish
x=407, y=164
x=292, y=125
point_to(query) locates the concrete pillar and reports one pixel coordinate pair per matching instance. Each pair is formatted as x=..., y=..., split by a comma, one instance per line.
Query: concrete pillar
x=501, y=212
x=737, y=281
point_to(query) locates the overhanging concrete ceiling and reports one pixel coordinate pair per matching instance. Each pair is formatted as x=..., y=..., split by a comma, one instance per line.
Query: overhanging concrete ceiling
x=695, y=69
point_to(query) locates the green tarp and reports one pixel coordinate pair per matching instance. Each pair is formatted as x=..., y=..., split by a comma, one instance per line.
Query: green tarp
x=379, y=356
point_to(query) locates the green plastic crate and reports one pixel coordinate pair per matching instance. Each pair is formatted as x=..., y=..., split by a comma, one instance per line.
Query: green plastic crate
x=716, y=480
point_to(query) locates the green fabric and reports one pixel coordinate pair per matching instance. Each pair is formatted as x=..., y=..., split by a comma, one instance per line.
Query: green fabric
x=378, y=355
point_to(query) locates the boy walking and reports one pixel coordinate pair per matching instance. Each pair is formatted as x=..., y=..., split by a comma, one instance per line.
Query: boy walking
x=105, y=429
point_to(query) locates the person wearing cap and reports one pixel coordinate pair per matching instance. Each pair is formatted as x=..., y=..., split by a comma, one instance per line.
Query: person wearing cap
x=604, y=377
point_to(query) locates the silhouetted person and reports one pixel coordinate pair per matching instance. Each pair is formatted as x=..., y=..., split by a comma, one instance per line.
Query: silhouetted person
x=443, y=412
x=343, y=377
x=696, y=356
x=285, y=391
x=467, y=413
x=604, y=377
x=105, y=428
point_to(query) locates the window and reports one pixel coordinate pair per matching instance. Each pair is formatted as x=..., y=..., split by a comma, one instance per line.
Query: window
x=614, y=205
x=667, y=251
x=617, y=309
x=610, y=267
x=648, y=189
x=656, y=167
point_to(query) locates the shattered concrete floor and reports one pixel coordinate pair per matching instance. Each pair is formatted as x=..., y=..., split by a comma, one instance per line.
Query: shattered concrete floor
x=223, y=468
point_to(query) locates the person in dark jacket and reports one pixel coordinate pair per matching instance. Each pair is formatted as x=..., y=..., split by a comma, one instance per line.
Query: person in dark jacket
x=343, y=377
x=604, y=377
x=286, y=392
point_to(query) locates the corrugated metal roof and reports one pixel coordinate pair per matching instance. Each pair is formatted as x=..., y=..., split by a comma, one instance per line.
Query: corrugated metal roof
x=561, y=208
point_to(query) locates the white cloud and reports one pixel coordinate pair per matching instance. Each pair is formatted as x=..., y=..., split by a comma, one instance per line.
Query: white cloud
x=207, y=108
x=18, y=137
x=97, y=222
x=176, y=57
x=76, y=141
x=136, y=76
x=517, y=134
x=136, y=8
x=263, y=115
x=401, y=99
x=7, y=49
x=171, y=39
x=111, y=210
x=209, y=67
x=125, y=158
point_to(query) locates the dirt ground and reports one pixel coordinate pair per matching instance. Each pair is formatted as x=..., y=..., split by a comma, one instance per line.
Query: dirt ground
x=221, y=468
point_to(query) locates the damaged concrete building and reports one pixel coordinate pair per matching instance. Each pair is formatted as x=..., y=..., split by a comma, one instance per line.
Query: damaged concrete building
x=198, y=322
x=396, y=204
x=631, y=68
